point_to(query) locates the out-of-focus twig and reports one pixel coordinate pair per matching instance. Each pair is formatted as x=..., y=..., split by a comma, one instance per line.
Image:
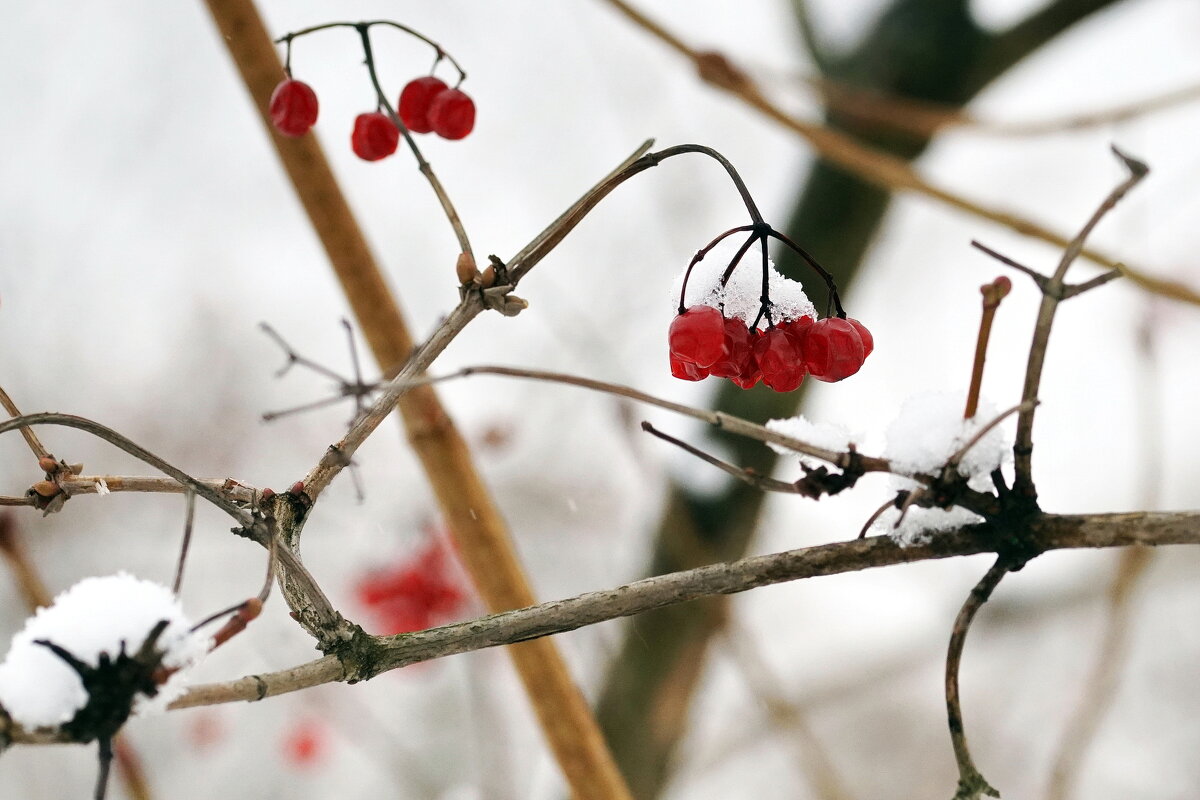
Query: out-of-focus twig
x=871, y=165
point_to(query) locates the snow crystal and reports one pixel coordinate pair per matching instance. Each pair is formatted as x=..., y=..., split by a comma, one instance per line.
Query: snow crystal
x=740, y=296
x=928, y=431
x=930, y=428
x=96, y=615
x=828, y=435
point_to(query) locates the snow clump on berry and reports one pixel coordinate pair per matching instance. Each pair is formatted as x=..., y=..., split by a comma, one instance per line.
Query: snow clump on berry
x=97, y=615
x=741, y=296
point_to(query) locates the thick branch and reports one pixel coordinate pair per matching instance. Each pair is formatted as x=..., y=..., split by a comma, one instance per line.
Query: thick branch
x=1052, y=532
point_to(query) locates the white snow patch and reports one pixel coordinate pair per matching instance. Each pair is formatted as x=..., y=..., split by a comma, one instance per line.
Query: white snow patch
x=930, y=428
x=740, y=296
x=928, y=431
x=828, y=435
x=96, y=615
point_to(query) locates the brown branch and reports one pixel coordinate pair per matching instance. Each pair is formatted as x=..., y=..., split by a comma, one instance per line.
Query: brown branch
x=475, y=522
x=1051, y=297
x=925, y=118
x=874, y=166
x=1051, y=531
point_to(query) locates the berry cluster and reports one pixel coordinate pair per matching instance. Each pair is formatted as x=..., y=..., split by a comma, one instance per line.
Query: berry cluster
x=721, y=335
x=426, y=104
x=418, y=593
x=704, y=342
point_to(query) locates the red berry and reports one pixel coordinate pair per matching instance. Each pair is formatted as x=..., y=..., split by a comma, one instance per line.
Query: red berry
x=780, y=359
x=738, y=350
x=374, y=136
x=833, y=349
x=414, y=102
x=452, y=114
x=293, y=108
x=867, y=339
x=749, y=375
x=304, y=744
x=687, y=372
x=697, y=336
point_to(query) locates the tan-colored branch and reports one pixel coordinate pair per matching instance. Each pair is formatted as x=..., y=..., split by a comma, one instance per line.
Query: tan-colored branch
x=869, y=164
x=925, y=118
x=478, y=529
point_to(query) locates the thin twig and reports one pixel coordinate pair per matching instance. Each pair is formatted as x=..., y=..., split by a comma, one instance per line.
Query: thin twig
x=982, y=432
x=971, y=784
x=1038, y=278
x=1051, y=297
x=189, y=518
x=752, y=478
x=786, y=715
x=35, y=444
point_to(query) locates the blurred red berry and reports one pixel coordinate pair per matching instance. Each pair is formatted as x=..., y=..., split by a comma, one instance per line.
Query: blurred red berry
x=833, y=349
x=780, y=359
x=304, y=744
x=416, y=594
x=452, y=114
x=414, y=103
x=374, y=136
x=293, y=108
x=697, y=336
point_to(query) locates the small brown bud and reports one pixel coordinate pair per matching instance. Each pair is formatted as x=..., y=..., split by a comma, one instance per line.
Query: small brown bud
x=267, y=494
x=46, y=489
x=488, y=279
x=48, y=465
x=466, y=269
x=297, y=488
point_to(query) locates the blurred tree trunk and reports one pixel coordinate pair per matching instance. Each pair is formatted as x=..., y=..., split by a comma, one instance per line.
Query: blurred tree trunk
x=921, y=49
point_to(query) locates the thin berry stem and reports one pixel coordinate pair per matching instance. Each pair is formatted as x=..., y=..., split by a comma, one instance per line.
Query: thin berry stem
x=834, y=298
x=442, y=54
x=464, y=243
x=700, y=254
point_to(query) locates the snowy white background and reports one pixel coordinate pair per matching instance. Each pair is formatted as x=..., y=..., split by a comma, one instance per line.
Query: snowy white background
x=146, y=228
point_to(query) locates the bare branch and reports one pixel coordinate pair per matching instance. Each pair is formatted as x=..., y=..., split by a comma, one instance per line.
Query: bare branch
x=1051, y=296
x=35, y=444
x=971, y=784
x=1051, y=531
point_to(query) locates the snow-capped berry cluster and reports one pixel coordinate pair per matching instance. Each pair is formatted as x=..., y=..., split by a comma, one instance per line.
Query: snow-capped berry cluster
x=426, y=104
x=721, y=335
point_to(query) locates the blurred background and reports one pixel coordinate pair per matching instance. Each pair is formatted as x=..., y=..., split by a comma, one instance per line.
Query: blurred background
x=147, y=229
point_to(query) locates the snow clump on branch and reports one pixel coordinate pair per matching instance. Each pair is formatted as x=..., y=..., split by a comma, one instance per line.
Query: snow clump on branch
x=110, y=615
